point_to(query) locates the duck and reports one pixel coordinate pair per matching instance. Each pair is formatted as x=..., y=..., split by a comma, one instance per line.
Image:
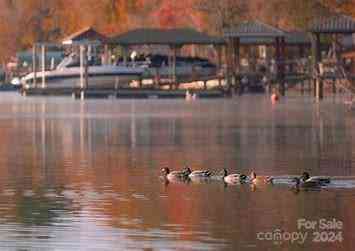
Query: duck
x=174, y=175
x=306, y=184
x=197, y=173
x=305, y=177
x=234, y=178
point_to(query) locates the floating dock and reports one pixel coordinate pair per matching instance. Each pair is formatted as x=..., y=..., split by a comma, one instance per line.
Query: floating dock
x=123, y=93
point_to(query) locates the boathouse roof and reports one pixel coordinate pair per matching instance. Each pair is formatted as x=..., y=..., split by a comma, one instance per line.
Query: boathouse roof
x=84, y=35
x=291, y=39
x=340, y=24
x=254, y=29
x=178, y=37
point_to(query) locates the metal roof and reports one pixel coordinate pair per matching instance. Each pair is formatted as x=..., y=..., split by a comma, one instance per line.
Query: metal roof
x=84, y=35
x=335, y=24
x=291, y=39
x=253, y=29
x=177, y=37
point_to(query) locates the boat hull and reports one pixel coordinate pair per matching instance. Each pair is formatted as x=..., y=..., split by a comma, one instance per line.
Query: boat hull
x=98, y=77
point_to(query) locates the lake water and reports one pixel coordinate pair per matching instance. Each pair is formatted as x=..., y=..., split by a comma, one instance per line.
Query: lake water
x=84, y=175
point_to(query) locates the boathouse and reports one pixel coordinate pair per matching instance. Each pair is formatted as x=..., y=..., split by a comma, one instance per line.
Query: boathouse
x=87, y=34
x=325, y=28
x=252, y=34
x=175, y=39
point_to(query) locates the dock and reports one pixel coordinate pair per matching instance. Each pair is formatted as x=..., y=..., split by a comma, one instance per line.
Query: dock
x=129, y=93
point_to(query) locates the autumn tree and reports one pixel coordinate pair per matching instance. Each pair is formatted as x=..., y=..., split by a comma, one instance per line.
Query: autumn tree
x=23, y=22
x=294, y=14
x=340, y=6
x=223, y=13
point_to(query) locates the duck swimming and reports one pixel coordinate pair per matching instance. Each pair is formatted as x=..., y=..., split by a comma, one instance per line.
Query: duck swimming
x=234, y=178
x=196, y=174
x=320, y=179
x=174, y=175
x=306, y=184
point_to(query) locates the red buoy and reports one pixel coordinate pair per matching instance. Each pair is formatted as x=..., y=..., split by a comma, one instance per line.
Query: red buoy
x=274, y=97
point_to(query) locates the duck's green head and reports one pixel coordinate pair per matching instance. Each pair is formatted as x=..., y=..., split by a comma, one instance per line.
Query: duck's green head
x=305, y=176
x=243, y=177
x=165, y=171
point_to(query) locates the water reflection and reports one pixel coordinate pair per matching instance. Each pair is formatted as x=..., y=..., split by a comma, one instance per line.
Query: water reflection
x=88, y=171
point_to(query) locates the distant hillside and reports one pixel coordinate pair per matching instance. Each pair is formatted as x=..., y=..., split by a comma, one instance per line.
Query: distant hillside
x=24, y=21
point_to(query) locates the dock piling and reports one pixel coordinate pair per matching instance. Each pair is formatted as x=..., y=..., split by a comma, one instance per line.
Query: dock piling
x=43, y=66
x=317, y=59
x=34, y=65
x=83, y=68
x=82, y=51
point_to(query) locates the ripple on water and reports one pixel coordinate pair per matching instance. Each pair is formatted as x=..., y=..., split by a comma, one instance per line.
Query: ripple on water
x=103, y=158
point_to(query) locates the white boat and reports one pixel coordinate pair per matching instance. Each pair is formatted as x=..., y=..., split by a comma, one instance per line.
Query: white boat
x=68, y=72
x=187, y=68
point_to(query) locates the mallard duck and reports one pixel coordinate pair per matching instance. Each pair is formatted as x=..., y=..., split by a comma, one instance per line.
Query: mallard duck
x=175, y=175
x=234, y=178
x=320, y=179
x=197, y=173
x=306, y=184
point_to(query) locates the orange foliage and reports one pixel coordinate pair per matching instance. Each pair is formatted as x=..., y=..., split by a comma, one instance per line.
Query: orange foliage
x=23, y=22
x=173, y=13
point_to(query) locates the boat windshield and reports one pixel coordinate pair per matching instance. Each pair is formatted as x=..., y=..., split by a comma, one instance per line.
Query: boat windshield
x=74, y=61
x=67, y=61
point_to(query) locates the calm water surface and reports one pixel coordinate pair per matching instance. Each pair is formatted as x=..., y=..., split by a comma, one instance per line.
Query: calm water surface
x=84, y=175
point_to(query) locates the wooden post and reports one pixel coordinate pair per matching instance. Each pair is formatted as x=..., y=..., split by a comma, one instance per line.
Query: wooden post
x=43, y=66
x=227, y=58
x=237, y=63
x=157, y=78
x=170, y=67
x=233, y=56
x=86, y=70
x=313, y=71
x=219, y=64
x=106, y=59
x=140, y=82
x=174, y=65
x=232, y=51
x=282, y=67
x=125, y=52
x=318, y=59
x=231, y=61
x=109, y=61
x=277, y=59
x=83, y=71
x=34, y=65
x=82, y=80
x=237, y=54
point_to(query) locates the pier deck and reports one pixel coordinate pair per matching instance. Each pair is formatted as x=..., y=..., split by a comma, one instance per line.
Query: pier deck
x=122, y=93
